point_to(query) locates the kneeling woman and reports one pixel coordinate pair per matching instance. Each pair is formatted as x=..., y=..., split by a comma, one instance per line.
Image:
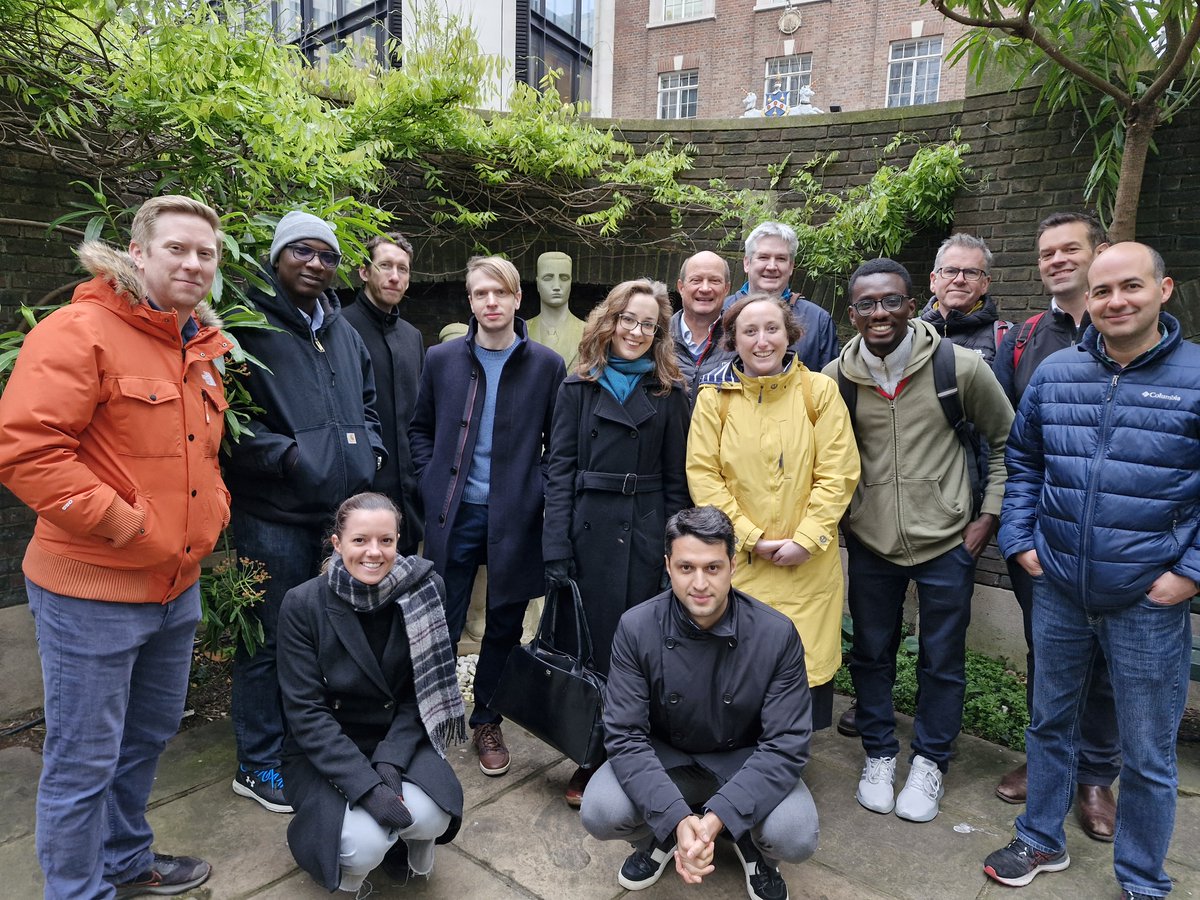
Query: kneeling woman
x=367, y=676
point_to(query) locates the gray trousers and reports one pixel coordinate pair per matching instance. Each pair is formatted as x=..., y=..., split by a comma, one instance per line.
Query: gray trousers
x=364, y=842
x=788, y=833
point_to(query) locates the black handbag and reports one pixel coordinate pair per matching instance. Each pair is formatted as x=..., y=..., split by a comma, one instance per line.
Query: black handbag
x=554, y=695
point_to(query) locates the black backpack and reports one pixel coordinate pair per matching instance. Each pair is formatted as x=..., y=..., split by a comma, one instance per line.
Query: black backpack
x=945, y=383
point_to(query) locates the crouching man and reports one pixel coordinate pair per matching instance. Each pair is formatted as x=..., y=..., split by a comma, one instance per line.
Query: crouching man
x=707, y=724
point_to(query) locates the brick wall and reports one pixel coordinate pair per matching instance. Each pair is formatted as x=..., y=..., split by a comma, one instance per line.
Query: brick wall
x=848, y=37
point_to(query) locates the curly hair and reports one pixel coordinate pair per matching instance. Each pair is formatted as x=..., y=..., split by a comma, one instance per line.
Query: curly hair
x=791, y=327
x=602, y=324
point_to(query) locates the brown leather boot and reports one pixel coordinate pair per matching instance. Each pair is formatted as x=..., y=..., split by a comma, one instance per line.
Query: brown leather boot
x=1012, y=787
x=846, y=724
x=1097, y=811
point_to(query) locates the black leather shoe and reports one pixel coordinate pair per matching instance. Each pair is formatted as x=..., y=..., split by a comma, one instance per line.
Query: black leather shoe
x=846, y=724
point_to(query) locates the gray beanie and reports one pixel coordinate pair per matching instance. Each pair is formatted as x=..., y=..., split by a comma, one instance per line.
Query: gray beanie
x=301, y=226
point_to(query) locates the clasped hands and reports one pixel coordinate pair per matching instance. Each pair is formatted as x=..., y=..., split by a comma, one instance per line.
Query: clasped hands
x=696, y=838
x=783, y=553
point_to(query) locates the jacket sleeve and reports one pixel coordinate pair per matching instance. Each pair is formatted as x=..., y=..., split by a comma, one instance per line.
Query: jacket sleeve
x=1026, y=475
x=986, y=407
x=1002, y=365
x=371, y=417
x=677, y=410
x=558, y=374
x=310, y=720
x=50, y=400
x=828, y=343
x=424, y=421
x=777, y=762
x=560, y=477
x=704, y=476
x=627, y=740
x=835, y=469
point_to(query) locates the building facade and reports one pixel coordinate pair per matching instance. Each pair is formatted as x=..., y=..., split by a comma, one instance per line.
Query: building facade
x=701, y=58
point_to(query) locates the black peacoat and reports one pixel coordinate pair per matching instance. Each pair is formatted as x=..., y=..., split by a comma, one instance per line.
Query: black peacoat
x=346, y=712
x=442, y=436
x=616, y=475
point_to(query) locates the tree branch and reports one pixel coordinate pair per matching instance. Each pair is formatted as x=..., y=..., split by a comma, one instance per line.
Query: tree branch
x=1178, y=60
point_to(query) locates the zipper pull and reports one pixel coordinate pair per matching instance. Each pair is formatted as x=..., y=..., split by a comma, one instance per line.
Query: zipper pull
x=317, y=344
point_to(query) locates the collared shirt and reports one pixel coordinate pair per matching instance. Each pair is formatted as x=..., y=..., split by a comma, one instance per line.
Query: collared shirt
x=190, y=327
x=888, y=371
x=317, y=319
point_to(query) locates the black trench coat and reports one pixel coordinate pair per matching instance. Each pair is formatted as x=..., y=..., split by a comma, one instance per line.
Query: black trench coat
x=614, y=532
x=344, y=714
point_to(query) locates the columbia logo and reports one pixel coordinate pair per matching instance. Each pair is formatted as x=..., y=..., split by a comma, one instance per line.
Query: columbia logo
x=1155, y=395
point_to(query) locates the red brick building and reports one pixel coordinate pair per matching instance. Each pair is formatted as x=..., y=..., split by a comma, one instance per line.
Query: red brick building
x=700, y=58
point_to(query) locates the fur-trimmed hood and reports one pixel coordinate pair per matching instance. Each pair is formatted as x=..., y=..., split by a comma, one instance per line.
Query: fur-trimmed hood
x=118, y=269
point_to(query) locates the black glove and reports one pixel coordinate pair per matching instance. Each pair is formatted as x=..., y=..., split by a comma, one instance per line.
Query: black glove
x=558, y=573
x=382, y=804
x=390, y=775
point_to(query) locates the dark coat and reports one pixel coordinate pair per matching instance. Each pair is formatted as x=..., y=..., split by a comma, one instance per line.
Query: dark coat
x=975, y=330
x=1052, y=332
x=733, y=700
x=346, y=712
x=712, y=356
x=442, y=435
x=613, y=528
x=316, y=440
x=397, y=357
x=1103, y=473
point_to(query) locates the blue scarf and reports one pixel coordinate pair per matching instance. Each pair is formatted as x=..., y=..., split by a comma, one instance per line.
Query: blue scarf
x=620, y=376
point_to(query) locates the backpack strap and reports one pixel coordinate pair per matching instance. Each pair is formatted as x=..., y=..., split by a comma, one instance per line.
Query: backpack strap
x=1023, y=335
x=945, y=382
x=999, y=329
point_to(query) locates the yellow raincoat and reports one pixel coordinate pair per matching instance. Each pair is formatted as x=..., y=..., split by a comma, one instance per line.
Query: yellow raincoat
x=777, y=454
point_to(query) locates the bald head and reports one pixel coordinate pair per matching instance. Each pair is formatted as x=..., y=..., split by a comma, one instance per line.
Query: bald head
x=1127, y=287
x=703, y=284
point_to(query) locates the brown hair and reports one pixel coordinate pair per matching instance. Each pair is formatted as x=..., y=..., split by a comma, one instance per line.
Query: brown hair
x=368, y=501
x=791, y=327
x=394, y=238
x=145, y=221
x=602, y=324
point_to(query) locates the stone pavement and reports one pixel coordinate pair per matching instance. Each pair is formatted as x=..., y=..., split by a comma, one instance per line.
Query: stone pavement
x=519, y=839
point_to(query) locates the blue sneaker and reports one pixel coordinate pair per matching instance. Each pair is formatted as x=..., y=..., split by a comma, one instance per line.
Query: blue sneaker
x=265, y=786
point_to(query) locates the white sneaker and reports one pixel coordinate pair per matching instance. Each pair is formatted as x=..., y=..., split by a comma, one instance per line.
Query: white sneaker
x=918, y=802
x=875, y=787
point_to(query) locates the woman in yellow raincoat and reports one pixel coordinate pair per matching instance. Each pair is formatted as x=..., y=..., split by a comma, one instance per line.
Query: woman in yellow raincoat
x=771, y=445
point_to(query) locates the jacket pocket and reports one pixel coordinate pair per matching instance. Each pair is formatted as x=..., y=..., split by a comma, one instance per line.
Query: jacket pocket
x=147, y=417
x=334, y=461
x=926, y=514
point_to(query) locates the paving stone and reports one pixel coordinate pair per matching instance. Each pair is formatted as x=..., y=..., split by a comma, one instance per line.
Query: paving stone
x=21, y=768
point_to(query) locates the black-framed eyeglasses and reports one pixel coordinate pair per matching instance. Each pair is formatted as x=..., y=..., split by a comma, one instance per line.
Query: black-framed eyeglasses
x=890, y=302
x=303, y=253
x=631, y=323
x=952, y=272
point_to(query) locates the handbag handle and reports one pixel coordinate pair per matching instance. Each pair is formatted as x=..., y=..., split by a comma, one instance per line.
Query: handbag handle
x=546, y=625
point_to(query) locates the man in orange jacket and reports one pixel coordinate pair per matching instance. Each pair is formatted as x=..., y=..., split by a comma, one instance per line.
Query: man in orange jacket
x=112, y=422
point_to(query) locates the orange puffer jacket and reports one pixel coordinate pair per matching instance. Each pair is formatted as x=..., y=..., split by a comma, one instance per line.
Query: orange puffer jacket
x=111, y=427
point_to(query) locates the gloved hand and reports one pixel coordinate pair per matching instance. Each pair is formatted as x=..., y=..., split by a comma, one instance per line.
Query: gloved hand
x=558, y=573
x=391, y=776
x=382, y=804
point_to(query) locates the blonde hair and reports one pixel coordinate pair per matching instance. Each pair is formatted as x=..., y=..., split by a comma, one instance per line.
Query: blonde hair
x=145, y=221
x=602, y=324
x=496, y=267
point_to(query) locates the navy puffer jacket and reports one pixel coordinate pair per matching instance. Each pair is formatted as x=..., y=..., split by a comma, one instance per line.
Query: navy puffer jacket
x=1104, y=470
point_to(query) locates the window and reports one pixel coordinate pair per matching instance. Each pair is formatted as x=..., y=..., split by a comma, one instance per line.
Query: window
x=677, y=94
x=560, y=37
x=664, y=12
x=791, y=73
x=914, y=72
x=324, y=27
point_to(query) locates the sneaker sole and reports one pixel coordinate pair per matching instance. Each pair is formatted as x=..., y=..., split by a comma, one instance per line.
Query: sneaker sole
x=1028, y=877
x=493, y=772
x=649, y=882
x=242, y=791
x=163, y=890
x=865, y=805
x=749, y=889
x=922, y=818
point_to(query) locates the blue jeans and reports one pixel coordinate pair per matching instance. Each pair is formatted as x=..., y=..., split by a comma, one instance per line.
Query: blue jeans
x=1099, y=744
x=502, y=627
x=1148, y=649
x=876, y=599
x=115, y=677
x=291, y=554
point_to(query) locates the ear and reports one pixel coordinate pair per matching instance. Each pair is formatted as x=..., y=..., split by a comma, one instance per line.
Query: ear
x=932, y=280
x=363, y=274
x=517, y=305
x=337, y=544
x=135, y=251
x=1168, y=286
x=746, y=264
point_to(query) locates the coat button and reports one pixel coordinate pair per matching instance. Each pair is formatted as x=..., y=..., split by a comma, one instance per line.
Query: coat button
x=633, y=432
x=462, y=424
x=587, y=525
x=670, y=642
x=624, y=526
x=191, y=437
x=193, y=493
x=595, y=433
x=673, y=697
x=388, y=705
x=154, y=396
x=454, y=470
x=441, y=520
x=727, y=697
x=733, y=642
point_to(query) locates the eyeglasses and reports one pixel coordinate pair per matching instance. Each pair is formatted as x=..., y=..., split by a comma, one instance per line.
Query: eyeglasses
x=630, y=323
x=890, y=302
x=952, y=272
x=303, y=253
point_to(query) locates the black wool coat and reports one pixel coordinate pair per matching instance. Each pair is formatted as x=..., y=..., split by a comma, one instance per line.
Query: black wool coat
x=397, y=356
x=444, y=429
x=346, y=712
x=614, y=532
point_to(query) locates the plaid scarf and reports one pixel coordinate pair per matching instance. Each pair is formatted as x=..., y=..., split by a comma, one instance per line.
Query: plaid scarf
x=412, y=585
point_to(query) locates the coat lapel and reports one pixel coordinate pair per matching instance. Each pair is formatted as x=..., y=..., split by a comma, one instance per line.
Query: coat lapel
x=636, y=410
x=350, y=633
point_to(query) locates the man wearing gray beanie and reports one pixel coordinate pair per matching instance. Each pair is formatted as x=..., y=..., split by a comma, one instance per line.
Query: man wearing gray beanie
x=316, y=442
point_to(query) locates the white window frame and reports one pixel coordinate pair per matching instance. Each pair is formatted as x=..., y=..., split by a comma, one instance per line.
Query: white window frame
x=672, y=88
x=791, y=81
x=671, y=12
x=923, y=66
